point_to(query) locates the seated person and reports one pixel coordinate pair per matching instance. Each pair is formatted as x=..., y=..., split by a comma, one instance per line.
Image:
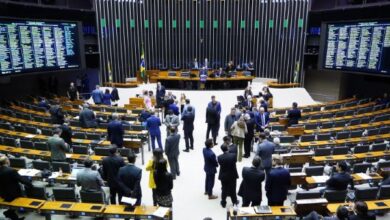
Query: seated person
x=219, y=73
x=89, y=180
x=230, y=66
x=87, y=117
x=293, y=115
x=341, y=179
x=341, y=214
x=361, y=212
x=44, y=104
x=250, y=66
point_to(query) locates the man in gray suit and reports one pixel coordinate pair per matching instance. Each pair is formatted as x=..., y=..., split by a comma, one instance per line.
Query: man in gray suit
x=57, y=146
x=87, y=117
x=172, y=152
x=265, y=150
x=171, y=121
x=89, y=180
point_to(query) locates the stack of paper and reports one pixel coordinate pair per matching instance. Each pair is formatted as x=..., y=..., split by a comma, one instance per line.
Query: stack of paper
x=161, y=212
x=320, y=179
x=246, y=211
x=364, y=176
x=28, y=172
x=54, y=175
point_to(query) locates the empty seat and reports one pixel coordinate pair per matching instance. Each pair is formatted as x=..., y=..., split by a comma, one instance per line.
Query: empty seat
x=314, y=170
x=47, y=132
x=384, y=192
x=356, y=133
x=366, y=193
x=36, y=192
x=92, y=136
x=378, y=147
x=92, y=197
x=102, y=151
x=327, y=115
x=310, y=126
x=383, y=164
x=315, y=117
x=26, y=144
x=349, y=113
x=335, y=195
x=124, y=152
x=9, y=141
x=354, y=121
x=360, y=167
x=384, y=130
x=342, y=135
x=295, y=169
x=307, y=138
x=327, y=125
x=17, y=162
x=64, y=166
x=361, y=149
x=365, y=120
x=286, y=139
x=41, y=165
x=340, y=150
x=273, y=128
x=341, y=123
x=323, y=137
x=307, y=195
x=322, y=151
x=77, y=149
x=19, y=128
x=79, y=135
x=374, y=131
x=66, y=194
x=31, y=130
x=41, y=146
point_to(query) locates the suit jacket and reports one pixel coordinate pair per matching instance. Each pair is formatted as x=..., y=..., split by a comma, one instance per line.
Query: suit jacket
x=213, y=114
x=115, y=133
x=153, y=124
x=172, y=121
x=57, y=116
x=260, y=120
x=188, y=121
x=160, y=93
x=250, y=187
x=9, y=183
x=265, y=151
x=293, y=116
x=369, y=216
x=87, y=118
x=58, y=148
x=89, y=180
x=339, y=181
x=227, y=167
x=277, y=184
x=111, y=165
x=129, y=178
x=172, y=145
x=265, y=106
x=97, y=96
x=174, y=108
x=210, y=161
x=66, y=134
x=114, y=94
x=233, y=149
x=229, y=120
x=250, y=125
x=247, y=104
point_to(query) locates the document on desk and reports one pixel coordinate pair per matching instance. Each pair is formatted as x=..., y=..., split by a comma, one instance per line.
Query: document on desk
x=246, y=211
x=364, y=176
x=28, y=172
x=320, y=179
x=161, y=212
x=54, y=175
x=128, y=200
x=30, y=135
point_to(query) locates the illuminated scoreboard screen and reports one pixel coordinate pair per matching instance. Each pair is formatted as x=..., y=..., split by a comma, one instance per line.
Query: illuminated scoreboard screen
x=357, y=46
x=38, y=46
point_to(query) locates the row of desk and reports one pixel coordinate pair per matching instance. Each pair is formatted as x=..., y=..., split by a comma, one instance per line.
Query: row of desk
x=49, y=208
x=348, y=128
x=344, y=141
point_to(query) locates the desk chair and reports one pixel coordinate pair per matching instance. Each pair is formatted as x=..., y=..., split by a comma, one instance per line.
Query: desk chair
x=323, y=137
x=281, y=151
x=124, y=152
x=31, y=130
x=316, y=108
x=308, y=195
x=374, y=131
x=137, y=127
x=366, y=193
x=355, y=121
x=5, y=126
x=92, y=197
x=383, y=164
x=26, y=144
x=326, y=151
x=384, y=130
x=77, y=149
x=365, y=120
x=280, y=112
x=327, y=125
x=74, y=123
x=41, y=146
x=350, y=104
x=327, y=115
x=361, y=167
x=94, y=136
x=102, y=151
x=340, y=150
x=17, y=163
x=9, y=141
x=102, y=125
x=361, y=149
x=315, y=117
x=79, y=135
x=341, y=123
x=295, y=169
x=65, y=167
x=47, y=132
x=41, y=165
x=19, y=128
x=307, y=138
x=37, y=192
x=310, y=126
x=356, y=133
x=121, y=110
x=379, y=147
x=314, y=170
x=334, y=196
x=305, y=110
x=384, y=192
x=286, y=139
x=66, y=194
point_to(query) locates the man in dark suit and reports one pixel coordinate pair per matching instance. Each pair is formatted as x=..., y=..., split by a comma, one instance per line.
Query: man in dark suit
x=160, y=94
x=213, y=116
x=265, y=150
x=228, y=175
x=232, y=148
x=210, y=168
x=188, y=118
x=261, y=120
x=172, y=151
x=250, y=188
x=129, y=178
x=341, y=179
x=111, y=165
x=9, y=186
x=115, y=131
x=293, y=114
x=153, y=124
x=277, y=183
x=87, y=117
x=250, y=124
x=57, y=116
x=361, y=212
x=66, y=133
x=247, y=103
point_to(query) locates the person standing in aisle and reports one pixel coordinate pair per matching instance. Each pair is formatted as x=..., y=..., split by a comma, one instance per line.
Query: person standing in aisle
x=210, y=168
x=188, y=118
x=228, y=175
x=172, y=152
x=213, y=116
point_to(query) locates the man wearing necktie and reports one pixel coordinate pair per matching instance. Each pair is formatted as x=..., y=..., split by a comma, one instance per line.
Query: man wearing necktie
x=262, y=120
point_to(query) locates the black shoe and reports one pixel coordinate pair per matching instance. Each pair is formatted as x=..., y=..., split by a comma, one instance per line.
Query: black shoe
x=186, y=150
x=223, y=204
x=191, y=148
x=178, y=174
x=215, y=144
x=246, y=156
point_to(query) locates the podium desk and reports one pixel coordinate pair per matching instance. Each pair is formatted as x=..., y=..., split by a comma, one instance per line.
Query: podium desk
x=277, y=211
x=142, y=212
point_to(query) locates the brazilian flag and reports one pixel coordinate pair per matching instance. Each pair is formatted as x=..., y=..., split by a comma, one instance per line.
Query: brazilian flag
x=142, y=66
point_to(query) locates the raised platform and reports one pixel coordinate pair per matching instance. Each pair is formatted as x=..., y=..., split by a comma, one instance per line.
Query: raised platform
x=122, y=85
x=274, y=84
